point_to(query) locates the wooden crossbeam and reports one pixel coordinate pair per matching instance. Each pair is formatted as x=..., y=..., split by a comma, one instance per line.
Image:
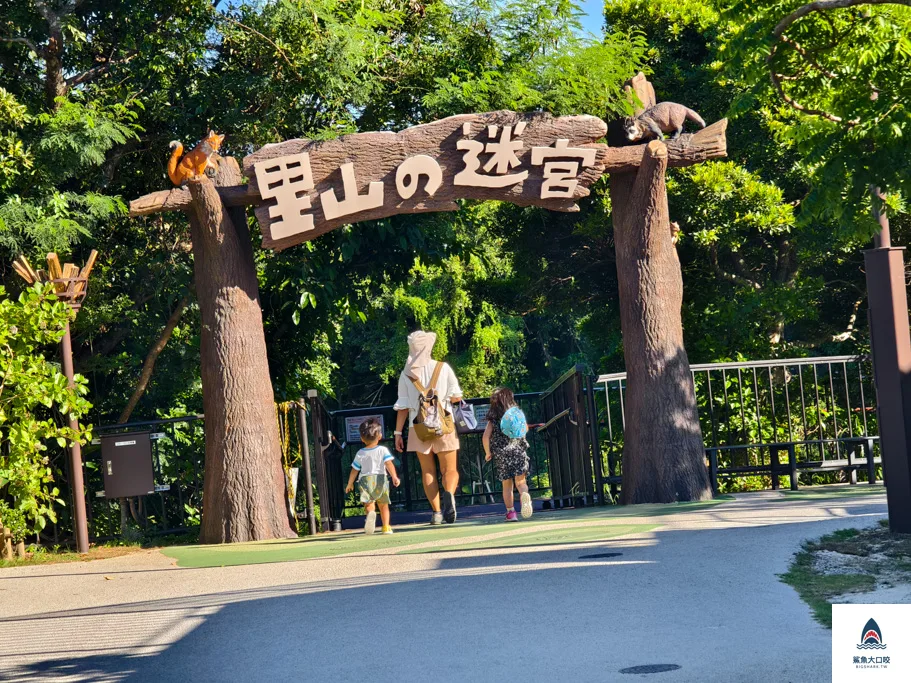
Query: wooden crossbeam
x=687, y=150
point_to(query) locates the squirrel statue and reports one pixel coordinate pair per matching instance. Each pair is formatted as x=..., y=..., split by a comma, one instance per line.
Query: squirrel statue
x=654, y=122
x=196, y=162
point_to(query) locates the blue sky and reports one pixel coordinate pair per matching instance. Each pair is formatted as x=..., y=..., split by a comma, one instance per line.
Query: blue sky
x=594, y=15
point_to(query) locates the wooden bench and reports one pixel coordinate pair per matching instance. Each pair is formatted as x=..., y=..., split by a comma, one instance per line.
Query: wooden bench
x=792, y=467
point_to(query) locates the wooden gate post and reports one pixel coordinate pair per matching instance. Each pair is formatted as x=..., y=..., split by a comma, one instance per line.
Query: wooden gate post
x=305, y=188
x=663, y=453
x=243, y=495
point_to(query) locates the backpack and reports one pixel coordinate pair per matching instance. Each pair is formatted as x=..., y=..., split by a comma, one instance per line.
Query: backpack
x=432, y=420
x=513, y=423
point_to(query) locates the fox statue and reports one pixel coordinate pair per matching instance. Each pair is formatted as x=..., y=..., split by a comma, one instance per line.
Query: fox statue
x=654, y=122
x=195, y=163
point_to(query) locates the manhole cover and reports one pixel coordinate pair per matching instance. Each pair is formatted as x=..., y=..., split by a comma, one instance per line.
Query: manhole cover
x=599, y=556
x=650, y=669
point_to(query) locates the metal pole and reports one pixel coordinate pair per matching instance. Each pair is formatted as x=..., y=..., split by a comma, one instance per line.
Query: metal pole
x=76, y=484
x=891, y=347
x=594, y=425
x=305, y=456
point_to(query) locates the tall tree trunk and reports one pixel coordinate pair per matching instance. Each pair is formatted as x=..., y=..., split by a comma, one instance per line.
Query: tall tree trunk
x=244, y=488
x=663, y=456
x=54, y=84
x=149, y=365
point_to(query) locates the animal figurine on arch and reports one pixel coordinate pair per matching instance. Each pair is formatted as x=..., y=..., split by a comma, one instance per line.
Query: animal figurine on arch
x=200, y=160
x=656, y=121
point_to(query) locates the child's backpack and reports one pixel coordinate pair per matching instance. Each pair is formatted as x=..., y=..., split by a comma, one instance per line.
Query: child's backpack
x=513, y=423
x=431, y=421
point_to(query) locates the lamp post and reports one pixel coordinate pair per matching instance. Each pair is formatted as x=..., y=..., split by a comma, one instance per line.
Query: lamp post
x=70, y=285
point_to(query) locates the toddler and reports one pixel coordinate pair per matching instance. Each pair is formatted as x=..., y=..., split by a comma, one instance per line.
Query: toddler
x=370, y=467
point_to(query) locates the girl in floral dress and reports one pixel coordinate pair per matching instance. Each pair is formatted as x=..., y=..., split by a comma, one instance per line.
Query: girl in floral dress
x=510, y=456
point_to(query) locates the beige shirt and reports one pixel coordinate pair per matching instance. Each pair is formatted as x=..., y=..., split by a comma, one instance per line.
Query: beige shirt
x=447, y=387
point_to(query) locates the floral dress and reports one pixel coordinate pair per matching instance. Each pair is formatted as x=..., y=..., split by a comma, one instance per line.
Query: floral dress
x=510, y=456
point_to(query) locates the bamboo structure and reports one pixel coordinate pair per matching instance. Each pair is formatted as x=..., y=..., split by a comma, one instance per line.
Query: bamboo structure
x=70, y=285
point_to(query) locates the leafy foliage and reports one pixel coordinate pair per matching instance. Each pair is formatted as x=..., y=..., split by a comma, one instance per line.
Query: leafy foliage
x=39, y=155
x=31, y=387
x=770, y=242
x=836, y=86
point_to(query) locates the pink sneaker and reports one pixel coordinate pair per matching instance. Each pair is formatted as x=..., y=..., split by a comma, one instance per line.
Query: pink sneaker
x=511, y=516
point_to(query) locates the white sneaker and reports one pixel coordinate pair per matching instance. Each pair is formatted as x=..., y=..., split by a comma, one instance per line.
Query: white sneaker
x=526, y=506
x=370, y=523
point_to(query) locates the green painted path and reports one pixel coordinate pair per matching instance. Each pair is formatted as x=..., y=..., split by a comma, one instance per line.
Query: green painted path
x=576, y=526
x=586, y=525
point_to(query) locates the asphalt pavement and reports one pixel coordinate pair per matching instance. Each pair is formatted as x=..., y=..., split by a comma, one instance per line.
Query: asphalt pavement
x=692, y=596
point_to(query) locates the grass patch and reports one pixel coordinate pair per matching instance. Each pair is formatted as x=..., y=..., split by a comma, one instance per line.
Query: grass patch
x=880, y=558
x=834, y=491
x=43, y=556
x=818, y=589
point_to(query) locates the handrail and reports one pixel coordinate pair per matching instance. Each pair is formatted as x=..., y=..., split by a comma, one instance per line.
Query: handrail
x=796, y=442
x=732, y=365
x=143, y=423
x=366, y=410
x=564, y=413
x=565, y=376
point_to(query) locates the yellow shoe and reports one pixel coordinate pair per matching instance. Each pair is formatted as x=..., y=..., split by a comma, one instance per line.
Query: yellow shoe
x=387, y=529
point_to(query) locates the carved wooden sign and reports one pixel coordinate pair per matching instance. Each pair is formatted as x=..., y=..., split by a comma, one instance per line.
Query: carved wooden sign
x=310, y=187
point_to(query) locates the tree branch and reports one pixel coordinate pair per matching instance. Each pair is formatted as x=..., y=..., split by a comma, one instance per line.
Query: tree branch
x=52, y=16
x=179, y=199
x=94, y=72
x=778, y=33
x=731, y=277
x=149, y=365
x=25, y=41
x=267, y=39
x=787, y=267
x=794, y=104
x=808, y=58
x=823, y=6
x=852, y=321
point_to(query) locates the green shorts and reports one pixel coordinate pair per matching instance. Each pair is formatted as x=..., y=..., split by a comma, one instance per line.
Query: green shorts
x=374, y=488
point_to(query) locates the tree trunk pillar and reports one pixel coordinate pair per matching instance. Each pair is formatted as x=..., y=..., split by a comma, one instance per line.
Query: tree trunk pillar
x=663, y=453
x=244, y=488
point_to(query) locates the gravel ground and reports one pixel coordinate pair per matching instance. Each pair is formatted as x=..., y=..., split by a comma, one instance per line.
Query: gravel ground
x=698, y=591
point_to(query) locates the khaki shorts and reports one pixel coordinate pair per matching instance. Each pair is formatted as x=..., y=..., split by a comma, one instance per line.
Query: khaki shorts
x=374, y=488
x=441, y=444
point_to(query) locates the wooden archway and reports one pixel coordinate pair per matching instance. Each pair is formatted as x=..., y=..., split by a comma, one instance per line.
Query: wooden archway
x=301, y=189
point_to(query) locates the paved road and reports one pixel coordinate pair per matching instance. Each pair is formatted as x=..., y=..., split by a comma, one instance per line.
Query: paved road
x=700, y=592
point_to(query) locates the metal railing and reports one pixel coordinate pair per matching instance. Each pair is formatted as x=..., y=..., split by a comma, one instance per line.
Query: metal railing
x=477, y=480
x=767, y=419
x=820, y=410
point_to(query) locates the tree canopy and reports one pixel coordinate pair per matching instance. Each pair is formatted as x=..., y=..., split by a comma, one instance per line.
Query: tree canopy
x=91, y=95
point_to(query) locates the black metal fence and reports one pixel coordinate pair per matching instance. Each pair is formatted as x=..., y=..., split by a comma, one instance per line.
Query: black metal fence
x=477, y=481
x=571, y=440
x=761, y=421
x=768, y=418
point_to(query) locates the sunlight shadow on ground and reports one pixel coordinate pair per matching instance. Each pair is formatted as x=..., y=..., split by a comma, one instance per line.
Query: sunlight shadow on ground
x=663, y=585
